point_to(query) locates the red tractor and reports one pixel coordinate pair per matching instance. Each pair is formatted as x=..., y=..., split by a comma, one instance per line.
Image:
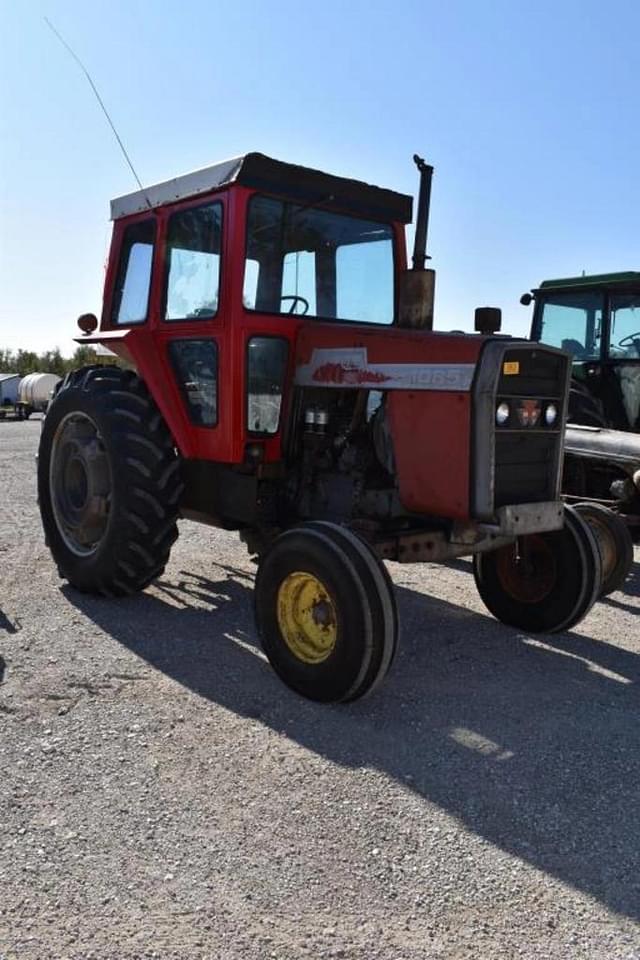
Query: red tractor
x=282, y=379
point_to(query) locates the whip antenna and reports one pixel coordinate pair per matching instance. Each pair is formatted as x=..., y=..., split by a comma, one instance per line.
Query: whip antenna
x=99, y=99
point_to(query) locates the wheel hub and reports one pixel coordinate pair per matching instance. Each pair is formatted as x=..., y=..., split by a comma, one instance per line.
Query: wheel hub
x=76, y=482
x=80, y=480
x=306, y=617
x=527, y=569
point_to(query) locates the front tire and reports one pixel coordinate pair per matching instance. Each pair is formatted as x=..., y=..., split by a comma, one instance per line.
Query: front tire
x=108, y=482
x=614, y=540
x=326, y=613
x=544, y=583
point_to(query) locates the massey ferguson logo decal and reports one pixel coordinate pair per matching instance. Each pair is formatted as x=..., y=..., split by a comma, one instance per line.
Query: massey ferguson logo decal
x=350, y=368
x=529, y=412
x=345, y=374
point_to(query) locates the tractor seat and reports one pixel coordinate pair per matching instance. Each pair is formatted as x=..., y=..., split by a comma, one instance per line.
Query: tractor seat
x=575, y=348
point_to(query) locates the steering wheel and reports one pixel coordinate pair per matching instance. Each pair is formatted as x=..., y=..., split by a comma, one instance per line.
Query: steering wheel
x=296, y=299
x=631, y=339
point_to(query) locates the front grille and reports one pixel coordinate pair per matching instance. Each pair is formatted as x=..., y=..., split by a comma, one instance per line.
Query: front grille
x=515, y=464
x=525, y=460
x=525, y=467
x=541, y=374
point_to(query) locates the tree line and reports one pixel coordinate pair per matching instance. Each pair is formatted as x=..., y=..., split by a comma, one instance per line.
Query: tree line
x=51, y=361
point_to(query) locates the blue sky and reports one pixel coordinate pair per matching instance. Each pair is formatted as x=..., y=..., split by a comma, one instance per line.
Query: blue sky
x=529, y=112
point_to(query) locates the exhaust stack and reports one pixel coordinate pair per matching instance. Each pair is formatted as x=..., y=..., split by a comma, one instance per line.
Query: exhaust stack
x=417, y=285
x=424, y=203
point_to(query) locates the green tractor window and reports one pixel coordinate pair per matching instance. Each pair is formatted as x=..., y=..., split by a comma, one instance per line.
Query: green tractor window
x=573, y=322
x=625, y=326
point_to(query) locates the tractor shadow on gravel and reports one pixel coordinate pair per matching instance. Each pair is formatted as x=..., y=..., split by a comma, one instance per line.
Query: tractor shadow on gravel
x=6, y=623
x=631, y=589
x=532, y=744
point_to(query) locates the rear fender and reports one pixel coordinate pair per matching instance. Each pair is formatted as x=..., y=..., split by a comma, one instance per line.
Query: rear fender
x=138, y=349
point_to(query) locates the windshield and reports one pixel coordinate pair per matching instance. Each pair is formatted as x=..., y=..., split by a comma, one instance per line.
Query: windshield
x=307, y=261
x=573, y=321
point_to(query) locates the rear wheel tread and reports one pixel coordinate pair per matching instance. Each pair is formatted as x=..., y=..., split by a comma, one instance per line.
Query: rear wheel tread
x=145, y=481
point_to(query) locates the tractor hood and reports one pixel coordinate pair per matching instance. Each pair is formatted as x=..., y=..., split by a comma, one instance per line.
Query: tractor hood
x=345, y=355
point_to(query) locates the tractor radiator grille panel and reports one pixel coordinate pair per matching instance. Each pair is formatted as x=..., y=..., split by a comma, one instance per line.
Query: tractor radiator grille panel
x=540, y=374
x=517, y=459
x=525, y=468
x=525, y=461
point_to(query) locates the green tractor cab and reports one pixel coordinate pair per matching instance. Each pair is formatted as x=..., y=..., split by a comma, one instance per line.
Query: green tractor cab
x=597, y=320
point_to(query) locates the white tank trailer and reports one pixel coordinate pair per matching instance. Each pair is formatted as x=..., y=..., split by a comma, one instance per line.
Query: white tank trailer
x=34, y=393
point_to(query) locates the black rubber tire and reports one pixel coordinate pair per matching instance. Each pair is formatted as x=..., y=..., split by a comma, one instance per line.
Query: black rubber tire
x=606, y=523
x=383, y=610
x=583, y=406
x=145, y=482
x=366, y=624
x=576, y=579
x=26, y=413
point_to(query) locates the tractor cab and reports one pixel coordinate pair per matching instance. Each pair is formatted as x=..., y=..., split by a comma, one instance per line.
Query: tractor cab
x=597, y=320
x=212, y=275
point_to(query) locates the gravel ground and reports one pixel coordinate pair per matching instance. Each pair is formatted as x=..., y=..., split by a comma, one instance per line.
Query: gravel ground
x=163, y=795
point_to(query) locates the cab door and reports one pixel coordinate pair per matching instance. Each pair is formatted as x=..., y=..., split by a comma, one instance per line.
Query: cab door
x=621, y=374
x=192, y=325
x=573, y=321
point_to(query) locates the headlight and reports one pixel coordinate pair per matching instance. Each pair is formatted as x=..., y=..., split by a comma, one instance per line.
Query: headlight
x=551, y=414
x=503, y=413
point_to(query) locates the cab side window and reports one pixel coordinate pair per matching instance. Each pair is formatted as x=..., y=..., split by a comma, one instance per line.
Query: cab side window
x=194, y=239
x=131, y=296
x=625, y=327
x=266, y=368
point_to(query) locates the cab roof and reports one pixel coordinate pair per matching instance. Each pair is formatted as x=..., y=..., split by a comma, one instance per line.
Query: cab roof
x=274, y=176
x=595, y=280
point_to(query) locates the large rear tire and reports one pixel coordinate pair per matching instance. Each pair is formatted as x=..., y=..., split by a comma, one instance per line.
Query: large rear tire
x=614, y=540
x=583, y=406
x=108, y=482
x=326, y=613
x=544, y=583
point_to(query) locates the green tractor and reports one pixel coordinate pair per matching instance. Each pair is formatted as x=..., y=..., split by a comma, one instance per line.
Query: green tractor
x=597, y=320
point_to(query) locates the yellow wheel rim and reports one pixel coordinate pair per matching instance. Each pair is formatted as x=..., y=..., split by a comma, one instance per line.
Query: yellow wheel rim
x=307, y=617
